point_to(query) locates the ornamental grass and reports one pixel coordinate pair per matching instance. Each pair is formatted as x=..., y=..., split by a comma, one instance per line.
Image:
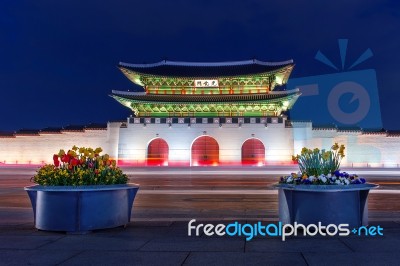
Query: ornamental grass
x=321, y=167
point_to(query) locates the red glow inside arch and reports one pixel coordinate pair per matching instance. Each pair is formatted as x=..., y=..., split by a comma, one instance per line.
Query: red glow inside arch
x=253, y=152
x=157, y=153
x=205, y=152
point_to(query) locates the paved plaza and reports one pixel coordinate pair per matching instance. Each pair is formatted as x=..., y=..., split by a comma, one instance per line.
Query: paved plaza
x=169, y=197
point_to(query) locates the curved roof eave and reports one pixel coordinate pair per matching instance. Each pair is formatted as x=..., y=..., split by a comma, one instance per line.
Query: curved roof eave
x=207, y=64
x=193, y=70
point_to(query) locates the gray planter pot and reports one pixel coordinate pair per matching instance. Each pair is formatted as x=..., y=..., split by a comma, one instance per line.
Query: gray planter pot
x=330, y=204
x=83, y=208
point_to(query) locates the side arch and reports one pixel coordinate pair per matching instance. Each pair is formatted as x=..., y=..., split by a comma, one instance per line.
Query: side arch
x=157, y=152
x=253, y=152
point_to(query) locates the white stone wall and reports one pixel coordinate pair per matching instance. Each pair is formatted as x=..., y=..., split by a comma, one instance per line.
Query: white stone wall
x=362, y=150
x=40, y=149
x=129, y=145
x=134, y=139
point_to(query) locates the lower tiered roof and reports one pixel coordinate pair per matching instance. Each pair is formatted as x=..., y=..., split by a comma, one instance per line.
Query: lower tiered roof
x=196, y=98
x=261, y=104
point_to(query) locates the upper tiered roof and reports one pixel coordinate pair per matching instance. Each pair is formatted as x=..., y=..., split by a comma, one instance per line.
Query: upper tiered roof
x=200, y=70
x=195, y=70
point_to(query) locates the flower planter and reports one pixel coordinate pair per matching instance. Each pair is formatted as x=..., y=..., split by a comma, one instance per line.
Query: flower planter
x=328, y=204
x=83, y=208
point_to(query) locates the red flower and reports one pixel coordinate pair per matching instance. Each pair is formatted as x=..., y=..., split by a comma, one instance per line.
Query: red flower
x=74, y=162
x=96, y=171
x=56, y=161
x=65, y=158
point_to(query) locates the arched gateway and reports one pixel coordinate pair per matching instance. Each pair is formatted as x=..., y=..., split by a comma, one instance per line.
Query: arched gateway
x=253, y=152
x=157, y=152
x=205, y=151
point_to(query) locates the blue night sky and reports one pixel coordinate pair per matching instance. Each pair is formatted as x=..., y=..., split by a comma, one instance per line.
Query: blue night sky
x=58, y=58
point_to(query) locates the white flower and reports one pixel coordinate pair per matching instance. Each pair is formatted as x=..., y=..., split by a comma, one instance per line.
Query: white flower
x=346, y=181
x=329, y=176
x=338, y=182
x=322, y=178
x=289, y=180
x=311, y=178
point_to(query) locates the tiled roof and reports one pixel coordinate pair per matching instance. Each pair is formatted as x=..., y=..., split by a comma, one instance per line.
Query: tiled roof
x=27, y=132
x=220, y=69
x=7, y=134
x=324, y=127
x=347, y=129
x=97, y=126
x=73, y=128
x=203, y=98
x=117, y=121
x=51, y=130
x=54, y=130
x=374, y=131
x=393, y=133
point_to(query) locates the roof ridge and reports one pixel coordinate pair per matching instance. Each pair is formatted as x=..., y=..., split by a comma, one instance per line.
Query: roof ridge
x=207, y=64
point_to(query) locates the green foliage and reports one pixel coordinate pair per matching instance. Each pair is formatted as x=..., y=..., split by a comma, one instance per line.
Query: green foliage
x=316, y=162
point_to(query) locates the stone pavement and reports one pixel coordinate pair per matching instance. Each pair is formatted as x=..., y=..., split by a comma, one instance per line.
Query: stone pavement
x=158, y=232
x=167, y=243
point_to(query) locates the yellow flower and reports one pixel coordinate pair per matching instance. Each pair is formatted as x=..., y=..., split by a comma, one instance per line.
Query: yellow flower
x=82, y=150
x=61, y=153
x=304, y=150
x=326, y=155
x=98, y=150
x=74, y=148
x=341, y=149
x=335, y=146
x=72, y=153
x=316, y=150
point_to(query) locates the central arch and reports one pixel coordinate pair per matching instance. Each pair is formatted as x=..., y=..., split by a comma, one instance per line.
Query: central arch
x=157, y=152
x=205, y=151
x=253, y=152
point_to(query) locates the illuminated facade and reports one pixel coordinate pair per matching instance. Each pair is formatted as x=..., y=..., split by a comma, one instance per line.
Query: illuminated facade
x=206, y=113
x=211, y=114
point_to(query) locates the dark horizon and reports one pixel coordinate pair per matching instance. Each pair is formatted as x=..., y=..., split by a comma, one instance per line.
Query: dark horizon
x=58, y=59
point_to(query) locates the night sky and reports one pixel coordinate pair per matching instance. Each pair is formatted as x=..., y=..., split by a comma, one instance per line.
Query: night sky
x=58, y=58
